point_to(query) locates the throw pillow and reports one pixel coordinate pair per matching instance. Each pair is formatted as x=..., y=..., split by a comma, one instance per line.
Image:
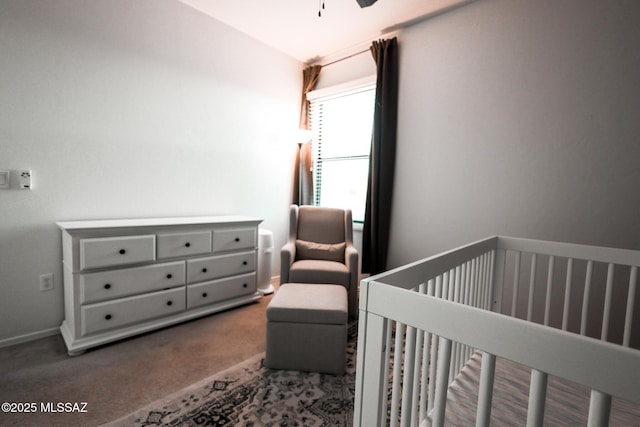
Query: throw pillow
x=321, y=251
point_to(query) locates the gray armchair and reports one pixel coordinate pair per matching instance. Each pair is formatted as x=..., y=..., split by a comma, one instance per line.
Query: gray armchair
x=320, y=250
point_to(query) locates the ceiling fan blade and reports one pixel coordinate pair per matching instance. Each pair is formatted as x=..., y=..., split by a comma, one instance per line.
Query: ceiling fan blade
x=365, y=3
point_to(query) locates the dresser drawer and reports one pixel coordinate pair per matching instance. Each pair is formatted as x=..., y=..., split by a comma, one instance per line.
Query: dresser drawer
x=173, y=245
x=235, y=239
x=130, y=281
x=111, y=251
x=113, y=314
x=220, y=290
x=201, y=269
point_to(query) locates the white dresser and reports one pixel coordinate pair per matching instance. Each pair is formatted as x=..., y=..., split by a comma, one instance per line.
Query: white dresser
x=125, y=277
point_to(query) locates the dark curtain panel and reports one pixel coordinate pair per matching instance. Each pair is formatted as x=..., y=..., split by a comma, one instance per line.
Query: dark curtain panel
x=377, y=217
x=302, y=177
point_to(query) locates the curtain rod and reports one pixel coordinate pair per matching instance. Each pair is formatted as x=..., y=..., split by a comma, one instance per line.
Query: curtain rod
x=388, y=35
x=346, y=57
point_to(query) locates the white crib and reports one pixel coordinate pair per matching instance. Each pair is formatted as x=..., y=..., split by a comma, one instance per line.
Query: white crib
x=561, y=312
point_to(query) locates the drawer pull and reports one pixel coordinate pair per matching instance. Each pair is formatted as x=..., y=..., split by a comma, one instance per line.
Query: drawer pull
x=244, y=262
x=169, y=276
x=204, y=295
x=122, y=251
x=107, y=285
x=237, y=239
x=187, y=244
x=169, y=302
x=204, y=270
x=107, y=317
x=244, y=285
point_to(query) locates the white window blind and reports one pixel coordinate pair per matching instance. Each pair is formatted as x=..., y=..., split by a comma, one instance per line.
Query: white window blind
x=342, y=121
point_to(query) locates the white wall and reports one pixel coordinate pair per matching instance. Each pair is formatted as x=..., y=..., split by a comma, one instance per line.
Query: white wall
x=519, y=118
x=131, y=108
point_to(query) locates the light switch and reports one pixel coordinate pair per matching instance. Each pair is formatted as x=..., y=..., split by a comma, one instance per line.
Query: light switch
x=25, y=179
x=4, y=179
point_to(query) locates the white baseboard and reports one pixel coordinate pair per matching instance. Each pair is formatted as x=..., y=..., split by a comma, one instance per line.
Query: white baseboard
x=29, y=337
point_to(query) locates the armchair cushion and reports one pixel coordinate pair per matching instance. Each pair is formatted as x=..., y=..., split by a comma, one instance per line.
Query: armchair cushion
x=320, y=251
x=319, y=271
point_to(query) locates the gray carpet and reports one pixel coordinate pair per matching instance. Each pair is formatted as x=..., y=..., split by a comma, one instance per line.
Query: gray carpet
x=118, y=378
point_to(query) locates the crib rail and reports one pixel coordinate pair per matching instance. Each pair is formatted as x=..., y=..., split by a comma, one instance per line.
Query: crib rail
x=588, y=280
x=419, y=325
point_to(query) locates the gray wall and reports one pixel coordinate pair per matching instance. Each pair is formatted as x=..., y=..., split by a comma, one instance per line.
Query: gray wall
x=521, y=118
x=125, y=109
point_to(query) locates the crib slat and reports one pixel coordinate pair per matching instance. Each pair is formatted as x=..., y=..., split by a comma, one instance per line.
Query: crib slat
x=484, y=282
x=547, y=303
x=434, y=352
x=384, y=406
x=474, y=283
x=481, y=280
x=537, y=396
x=585, y=298
x=532, y=286
x=435, y=342
x=438, y=291
x=490, y=280
x=464, y=285
x=418, y=372
x=456, y=347
x=516, y=282
x=424, y=384
x=371, y=386
x=467, y=299
x=452, y=275
x=599, y=409
x=498, y=279
x=567, y=295
x=607, y=303
x=431, y=285
x=445, y=285
x=628, y=319
x=467, y=283
x=444, y=358
x=407, y=379
x=457, y=284
x=482, y=261
x=485, y=390
x=396, y=390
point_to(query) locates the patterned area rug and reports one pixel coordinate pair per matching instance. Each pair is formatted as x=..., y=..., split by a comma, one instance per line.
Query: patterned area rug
x=249, y=394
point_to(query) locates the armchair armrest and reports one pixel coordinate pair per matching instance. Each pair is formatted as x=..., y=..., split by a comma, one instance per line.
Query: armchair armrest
x=351, y=258
x=351, y=261
x=287, y=256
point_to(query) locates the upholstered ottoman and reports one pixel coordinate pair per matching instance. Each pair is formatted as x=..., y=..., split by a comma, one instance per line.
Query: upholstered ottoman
x=307, y=328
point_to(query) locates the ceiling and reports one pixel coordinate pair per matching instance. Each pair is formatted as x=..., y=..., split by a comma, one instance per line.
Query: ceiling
x=294, y=27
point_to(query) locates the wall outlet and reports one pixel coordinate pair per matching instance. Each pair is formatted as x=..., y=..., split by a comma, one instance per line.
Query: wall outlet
x=46, y=282
x=26, y=182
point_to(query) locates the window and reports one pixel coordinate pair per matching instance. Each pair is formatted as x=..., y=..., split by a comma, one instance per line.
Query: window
x=342, y=120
